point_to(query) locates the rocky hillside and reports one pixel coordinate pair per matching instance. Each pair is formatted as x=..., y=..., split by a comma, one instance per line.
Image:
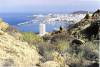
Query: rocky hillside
x=61, y=49
x=86, y=23
x=14, y=52
x=18, y=53
x=96, y=15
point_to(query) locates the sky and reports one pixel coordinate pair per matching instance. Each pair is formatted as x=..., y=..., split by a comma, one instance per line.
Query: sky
x=7, y=6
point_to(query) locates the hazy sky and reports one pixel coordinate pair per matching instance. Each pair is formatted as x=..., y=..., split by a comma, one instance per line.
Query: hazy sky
x=48, y=5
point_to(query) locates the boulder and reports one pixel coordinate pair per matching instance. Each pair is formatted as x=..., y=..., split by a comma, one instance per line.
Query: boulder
x=1, y=32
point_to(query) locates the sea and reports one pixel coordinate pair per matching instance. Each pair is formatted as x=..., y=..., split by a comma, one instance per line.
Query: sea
x=14, y=19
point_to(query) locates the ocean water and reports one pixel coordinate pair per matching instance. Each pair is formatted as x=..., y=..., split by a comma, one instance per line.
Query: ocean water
x=15, y=18
x=35, y=27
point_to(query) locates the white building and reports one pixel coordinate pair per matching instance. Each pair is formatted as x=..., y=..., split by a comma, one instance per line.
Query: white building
x=42, y=29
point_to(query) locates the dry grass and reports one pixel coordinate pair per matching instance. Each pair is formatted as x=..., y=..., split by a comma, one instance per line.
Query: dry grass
x=16, y=53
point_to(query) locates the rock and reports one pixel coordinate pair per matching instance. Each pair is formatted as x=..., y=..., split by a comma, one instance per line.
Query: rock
x=66, y=66
x=50, y=64
x=58, y=58
x=3, y=26
x=78, y=42
x=16, y=53
x=1, y=32
x=94, y=65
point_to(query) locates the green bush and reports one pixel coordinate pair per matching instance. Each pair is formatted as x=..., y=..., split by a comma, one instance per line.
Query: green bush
x=46, y=38
x=59, y=37
x=62, y=46
x=31, y=37
x=91, y=51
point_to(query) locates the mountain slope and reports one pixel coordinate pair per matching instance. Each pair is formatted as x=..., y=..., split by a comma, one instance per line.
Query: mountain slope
x=16, y=53
x=86, y=22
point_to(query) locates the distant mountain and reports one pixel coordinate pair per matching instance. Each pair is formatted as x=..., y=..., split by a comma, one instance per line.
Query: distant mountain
x=81, y=12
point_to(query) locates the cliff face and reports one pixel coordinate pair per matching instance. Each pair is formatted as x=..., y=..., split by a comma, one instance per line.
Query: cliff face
x=87, y=25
